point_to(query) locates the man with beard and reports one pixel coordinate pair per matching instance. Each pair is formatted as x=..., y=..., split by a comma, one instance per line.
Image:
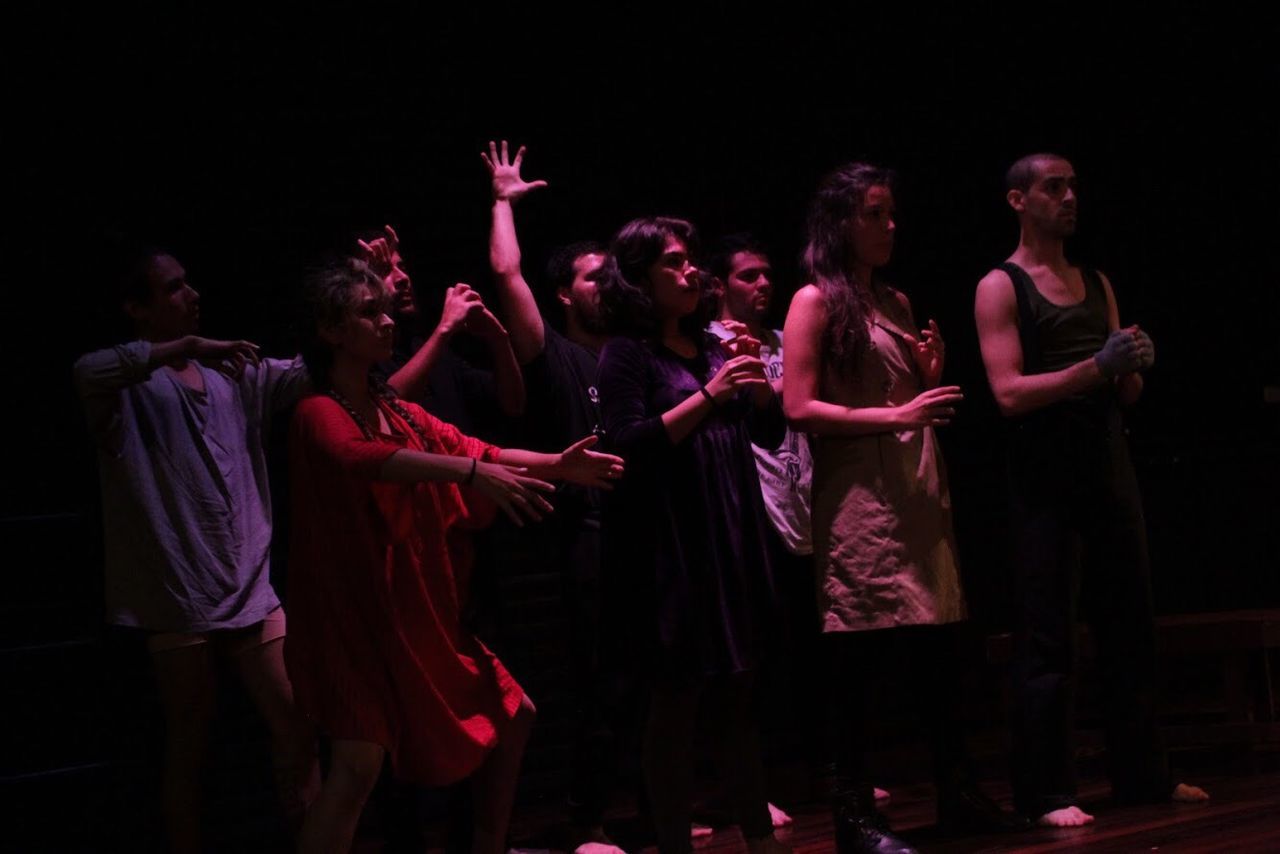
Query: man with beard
x=560, y=371
x=1060, y=366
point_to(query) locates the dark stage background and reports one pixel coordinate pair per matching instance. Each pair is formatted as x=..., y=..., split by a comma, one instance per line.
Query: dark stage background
x=249, y=142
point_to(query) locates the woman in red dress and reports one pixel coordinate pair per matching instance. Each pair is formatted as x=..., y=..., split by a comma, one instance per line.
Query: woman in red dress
x=383, y=497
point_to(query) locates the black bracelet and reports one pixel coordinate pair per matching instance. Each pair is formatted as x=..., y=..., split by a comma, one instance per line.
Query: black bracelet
x=471, y=475
x=711, y=400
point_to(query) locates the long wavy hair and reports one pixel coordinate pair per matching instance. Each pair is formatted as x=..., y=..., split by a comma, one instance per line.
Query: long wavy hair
x=626, y=294
x=828, y=260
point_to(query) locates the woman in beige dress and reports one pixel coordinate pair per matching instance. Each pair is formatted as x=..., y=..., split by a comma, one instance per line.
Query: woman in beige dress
x=864, y=380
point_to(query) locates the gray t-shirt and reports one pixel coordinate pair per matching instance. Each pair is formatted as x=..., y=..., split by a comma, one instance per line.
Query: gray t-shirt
x=785, y=473
x=185, y=502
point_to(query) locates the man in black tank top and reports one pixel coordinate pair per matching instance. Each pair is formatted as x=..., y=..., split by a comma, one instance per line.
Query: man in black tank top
x=1060, y=366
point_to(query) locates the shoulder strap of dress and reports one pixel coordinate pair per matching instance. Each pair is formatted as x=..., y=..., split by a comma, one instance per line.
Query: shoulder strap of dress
x=1022, y=286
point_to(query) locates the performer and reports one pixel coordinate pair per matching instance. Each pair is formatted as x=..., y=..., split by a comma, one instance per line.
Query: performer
x=425, y=369
x=684, y=535
x=864, y=381
x=181, y=423
x=1060, y=366
x=379, y=560
x=559, y=372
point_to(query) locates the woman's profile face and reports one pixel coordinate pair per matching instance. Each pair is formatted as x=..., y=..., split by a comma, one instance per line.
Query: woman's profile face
x=674, y=281
x=872, y=228
x=365, y=332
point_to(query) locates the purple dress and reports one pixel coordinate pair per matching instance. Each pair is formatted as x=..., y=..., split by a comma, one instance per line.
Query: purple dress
x=685, y=558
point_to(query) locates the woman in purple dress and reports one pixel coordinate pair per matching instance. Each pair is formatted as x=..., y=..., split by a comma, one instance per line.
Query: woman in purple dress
x=683, y=532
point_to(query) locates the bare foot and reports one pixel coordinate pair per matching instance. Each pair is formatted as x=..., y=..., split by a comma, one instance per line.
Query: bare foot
x=881, y=795
x=1185, y=793
x=598, y=848
x=1065, y=817
x=779, y=816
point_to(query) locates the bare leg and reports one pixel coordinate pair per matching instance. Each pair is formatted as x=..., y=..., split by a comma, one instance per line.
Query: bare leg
x=186, y=680
x=293, y=739
x=495, y=783
x=330, y=824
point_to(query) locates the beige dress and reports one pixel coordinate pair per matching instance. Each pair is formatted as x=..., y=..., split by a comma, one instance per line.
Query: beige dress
x=882, y=532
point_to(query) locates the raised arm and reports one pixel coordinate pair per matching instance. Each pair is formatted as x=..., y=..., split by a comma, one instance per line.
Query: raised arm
x=515, y=299
x=802, y=376
x=996, y=315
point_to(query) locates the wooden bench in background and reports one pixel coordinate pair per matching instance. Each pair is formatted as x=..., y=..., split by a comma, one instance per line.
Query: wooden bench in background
x=1243, y=643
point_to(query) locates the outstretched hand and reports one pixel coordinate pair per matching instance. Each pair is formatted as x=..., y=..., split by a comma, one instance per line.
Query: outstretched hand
x=515, y=493
x=504, y=173
x=929, y=352
x=585, y=467
x=225, y=357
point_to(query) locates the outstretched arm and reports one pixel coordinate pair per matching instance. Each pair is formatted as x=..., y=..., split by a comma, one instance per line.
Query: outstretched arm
x=515, y=299
x=801, y=381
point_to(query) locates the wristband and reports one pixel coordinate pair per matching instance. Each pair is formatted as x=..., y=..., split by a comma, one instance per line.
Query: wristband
x=711, y=400
x=471, y=475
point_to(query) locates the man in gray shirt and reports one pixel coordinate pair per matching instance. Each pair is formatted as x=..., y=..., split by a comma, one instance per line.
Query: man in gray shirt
x=180, y=423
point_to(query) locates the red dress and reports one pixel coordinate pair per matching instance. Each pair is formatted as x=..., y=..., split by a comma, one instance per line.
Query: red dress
x=377, y=578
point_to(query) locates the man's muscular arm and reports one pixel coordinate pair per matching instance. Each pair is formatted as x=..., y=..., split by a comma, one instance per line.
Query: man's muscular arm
x=996, y=314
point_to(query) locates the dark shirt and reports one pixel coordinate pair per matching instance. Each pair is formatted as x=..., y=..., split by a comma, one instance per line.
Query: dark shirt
x=688, y=576
x=457, y=392
x=563, y=407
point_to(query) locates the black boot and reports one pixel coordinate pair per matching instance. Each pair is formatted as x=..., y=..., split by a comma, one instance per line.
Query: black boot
x=964, y=808
x=861, y=829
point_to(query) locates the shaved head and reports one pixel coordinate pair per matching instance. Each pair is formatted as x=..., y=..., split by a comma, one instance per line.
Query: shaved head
x=1023, y=173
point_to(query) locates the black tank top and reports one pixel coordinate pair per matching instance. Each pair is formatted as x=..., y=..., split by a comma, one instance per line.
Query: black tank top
x=1055, y=337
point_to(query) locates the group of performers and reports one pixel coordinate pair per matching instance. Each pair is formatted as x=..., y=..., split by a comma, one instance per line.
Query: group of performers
x=685, y=464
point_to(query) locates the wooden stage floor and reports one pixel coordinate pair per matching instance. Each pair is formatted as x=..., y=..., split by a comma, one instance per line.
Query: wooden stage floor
x=1243, y=816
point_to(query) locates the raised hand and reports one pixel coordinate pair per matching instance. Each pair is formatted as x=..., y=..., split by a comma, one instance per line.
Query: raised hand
x=226, y=357
x=504, y=173
x=515, y=493
x=736, y=373
x=379, y=253
x=464, y=309
x=578, y=464
x=929, y=352
x=932, y=408
x=741, y=344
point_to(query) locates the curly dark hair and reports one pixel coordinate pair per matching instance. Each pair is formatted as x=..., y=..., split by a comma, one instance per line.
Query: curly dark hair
x=330, y=292
x=828, y=260
x=626, y=300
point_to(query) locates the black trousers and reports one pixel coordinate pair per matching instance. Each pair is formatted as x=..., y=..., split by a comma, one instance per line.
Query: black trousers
x=1080, y=549
x=594, y=741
